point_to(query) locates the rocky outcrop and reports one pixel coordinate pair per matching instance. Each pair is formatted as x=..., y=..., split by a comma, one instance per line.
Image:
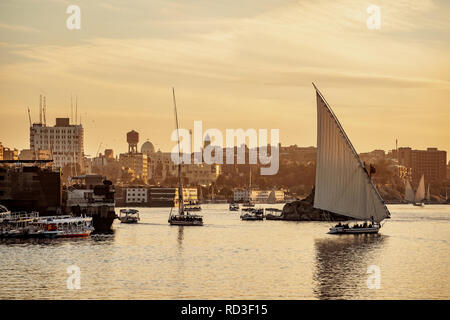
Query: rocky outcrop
x=303, y=210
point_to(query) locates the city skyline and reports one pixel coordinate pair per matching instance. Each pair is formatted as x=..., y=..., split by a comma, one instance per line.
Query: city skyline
x=247, y=66
x=124, y=145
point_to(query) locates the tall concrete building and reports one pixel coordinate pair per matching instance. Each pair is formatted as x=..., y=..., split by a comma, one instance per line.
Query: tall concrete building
x=431, y=163
x=64, y=141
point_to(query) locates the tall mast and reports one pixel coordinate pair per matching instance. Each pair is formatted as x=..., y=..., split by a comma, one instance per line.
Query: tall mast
x=180, y=188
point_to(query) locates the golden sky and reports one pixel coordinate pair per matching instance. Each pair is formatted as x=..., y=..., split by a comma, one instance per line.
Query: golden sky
x=234, y=64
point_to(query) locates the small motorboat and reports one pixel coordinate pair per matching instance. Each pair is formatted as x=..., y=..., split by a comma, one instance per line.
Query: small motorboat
x=129, y=216
x=185, y=219
x=252, y=214
x=234, y=207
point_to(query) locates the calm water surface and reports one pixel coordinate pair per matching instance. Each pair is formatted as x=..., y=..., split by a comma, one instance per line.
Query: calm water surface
x=232, y=259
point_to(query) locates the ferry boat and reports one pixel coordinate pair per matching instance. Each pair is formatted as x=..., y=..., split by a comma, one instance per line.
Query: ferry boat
x=129, y=216
x=92, y=196
x=16, y=224
x=63, y=227
x=30, y=225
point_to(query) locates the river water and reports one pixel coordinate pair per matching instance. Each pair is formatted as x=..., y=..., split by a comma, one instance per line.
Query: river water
x=232, y=259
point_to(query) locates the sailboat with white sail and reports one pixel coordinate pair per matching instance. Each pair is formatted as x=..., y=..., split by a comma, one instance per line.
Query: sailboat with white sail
x=409, y=192
x=417, y=197
x=343, y=184
x=420, y=193
x=183, y=218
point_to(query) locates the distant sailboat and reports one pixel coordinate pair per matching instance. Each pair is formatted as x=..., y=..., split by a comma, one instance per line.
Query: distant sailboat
x=420, y=193
x=182, y=218
x=409, y=192
x=428, y=194
x=249, y=203
x=343, y=185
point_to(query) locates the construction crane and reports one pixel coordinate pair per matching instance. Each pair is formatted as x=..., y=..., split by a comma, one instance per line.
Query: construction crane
x=98, y=150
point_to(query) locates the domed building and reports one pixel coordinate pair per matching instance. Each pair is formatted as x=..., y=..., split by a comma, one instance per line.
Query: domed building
x=147, y=148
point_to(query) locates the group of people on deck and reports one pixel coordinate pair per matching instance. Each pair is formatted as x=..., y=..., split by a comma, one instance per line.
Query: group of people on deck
x=356, y=225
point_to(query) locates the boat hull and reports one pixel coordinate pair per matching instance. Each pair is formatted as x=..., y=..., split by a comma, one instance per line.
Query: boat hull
x=185, y=223
x=340, y=230
x=251, y=218
x=103, y=224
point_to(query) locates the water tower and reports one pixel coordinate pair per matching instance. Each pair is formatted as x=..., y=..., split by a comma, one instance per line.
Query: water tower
x=132, y=139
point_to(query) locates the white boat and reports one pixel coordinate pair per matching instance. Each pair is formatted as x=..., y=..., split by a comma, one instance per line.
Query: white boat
x=233, y=207
x=129, y=216
x=183, y=218
x=17, y=224
x=343, y=185
x=409, y=192
x=420, y=193
x=64, y=227
x=29, y=224
x=252, y=214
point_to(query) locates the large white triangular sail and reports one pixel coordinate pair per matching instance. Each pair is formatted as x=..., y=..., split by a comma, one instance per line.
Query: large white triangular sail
x=409, y=192
x=420, y=192
x=343, y=185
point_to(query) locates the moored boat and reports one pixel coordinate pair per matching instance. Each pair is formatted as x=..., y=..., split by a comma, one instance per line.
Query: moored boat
x=30, y=225
x=252, y=214
x=64, y=227
x=129, y=216
x=273, y=214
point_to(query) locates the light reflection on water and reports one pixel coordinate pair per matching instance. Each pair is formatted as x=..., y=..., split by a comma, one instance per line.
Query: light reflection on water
x=232, y=259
